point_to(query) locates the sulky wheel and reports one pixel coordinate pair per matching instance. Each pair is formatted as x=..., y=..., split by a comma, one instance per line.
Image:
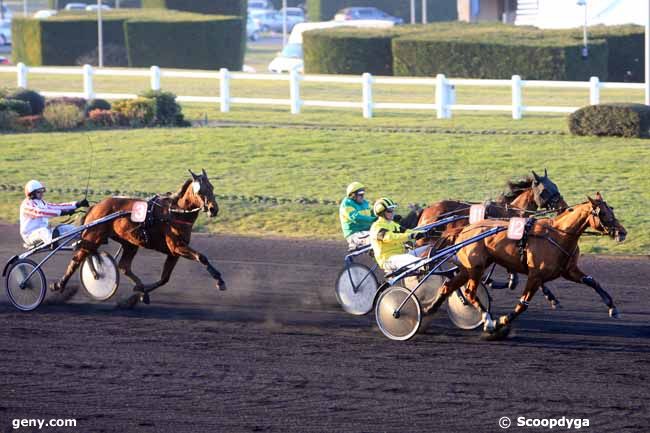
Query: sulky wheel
x=26, y=294
x=462, y=313
x=356, y=287
x=400, y=325
x=99, y=276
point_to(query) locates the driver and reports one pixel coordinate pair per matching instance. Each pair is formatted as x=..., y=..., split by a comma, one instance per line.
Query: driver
x=356, y=216
x=36, y=212
x=387, y=238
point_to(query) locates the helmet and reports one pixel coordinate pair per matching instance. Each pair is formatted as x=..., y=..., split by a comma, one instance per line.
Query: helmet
x=31, y=186
x=354, y=187
x=382, y=205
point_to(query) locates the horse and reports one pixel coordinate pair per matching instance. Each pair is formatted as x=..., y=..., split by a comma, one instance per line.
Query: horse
x=524, y=197
x=167, y=229
x=550, y=251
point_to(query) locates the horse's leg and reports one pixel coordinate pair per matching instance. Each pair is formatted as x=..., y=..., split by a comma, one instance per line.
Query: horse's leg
x=470, y=294
x=577, y=276
x=128, y=253
x=550, y=297
x=178, y=247
x=77, y=259
x=445, y=290
x=168, y=267
x=533, y=283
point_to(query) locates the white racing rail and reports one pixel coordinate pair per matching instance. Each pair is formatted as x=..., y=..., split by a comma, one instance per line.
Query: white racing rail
x=443, y=104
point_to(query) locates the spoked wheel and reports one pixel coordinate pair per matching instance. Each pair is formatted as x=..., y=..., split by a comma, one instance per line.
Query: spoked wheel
x=99, y=276
x=462, y=313
x=400, y=325
x=26, y=294
x=356, y=287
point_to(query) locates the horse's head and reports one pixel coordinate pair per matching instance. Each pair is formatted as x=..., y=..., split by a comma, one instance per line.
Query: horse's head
x=546, y=193
x=202, y=193
x=602, y=219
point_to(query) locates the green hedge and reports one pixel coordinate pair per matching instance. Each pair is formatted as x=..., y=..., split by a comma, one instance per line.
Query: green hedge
x=544, y=59
x=626, y=53
x=437, y=10
x=348, y=51
x=214, y=7
x=163, y=38
x=622, y=120
x=209, y=43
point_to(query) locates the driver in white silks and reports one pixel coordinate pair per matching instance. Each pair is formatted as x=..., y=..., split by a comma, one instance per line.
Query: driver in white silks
x=387, y=238
x=36, y=212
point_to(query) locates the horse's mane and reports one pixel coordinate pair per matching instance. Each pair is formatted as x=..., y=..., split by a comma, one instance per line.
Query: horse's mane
x=515, y=189
x=181, y=192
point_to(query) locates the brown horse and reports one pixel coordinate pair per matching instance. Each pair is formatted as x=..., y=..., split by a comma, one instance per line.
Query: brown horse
x=167, y=229
x=524, y=197
x=551, y=251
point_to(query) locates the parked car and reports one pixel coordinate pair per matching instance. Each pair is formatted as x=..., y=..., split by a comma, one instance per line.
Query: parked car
x=291, y=55
x=294, y=16
x=75, y=7
x=5, y=33
x=93, y=8
x=252, y=29
x=266, y=20
x=4, y=61
x=259, y=5
x=45, y=13
x=366, y=13
x=7, y=15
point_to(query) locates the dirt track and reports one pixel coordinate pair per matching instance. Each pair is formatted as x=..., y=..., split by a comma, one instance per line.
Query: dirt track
x=276, y=354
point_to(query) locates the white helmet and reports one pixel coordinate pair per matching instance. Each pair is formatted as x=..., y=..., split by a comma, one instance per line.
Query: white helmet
x=33, y=185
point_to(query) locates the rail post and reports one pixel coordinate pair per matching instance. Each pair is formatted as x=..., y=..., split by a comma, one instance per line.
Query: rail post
x=88, y=82
x=155, y=78
x=21, y=75
x=224, y=90
x=294, y=90
x=516, y=97
x=594, y=91
x=367, y=94
x=441, y=96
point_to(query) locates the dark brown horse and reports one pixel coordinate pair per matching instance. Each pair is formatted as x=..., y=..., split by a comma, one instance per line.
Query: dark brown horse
x=551, y=251
x=167, y=229
x=524, y=197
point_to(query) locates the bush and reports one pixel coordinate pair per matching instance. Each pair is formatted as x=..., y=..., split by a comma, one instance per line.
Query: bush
x=348, y=51
x=63, y=116
x=21, y=108
x=102, y=118
x=98, y=104
x=620, y=120
x=30, y=123
x=199, y=42
x=168, y=111
x=34, y=99
x=80, y=103
x=8, y=120
x=437, y=10
x=135, y=112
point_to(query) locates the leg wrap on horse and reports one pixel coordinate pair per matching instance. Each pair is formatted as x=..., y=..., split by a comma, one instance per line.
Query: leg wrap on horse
x=589, y=281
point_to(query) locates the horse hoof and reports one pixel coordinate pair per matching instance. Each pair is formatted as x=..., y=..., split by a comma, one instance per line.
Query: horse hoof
x=500, y=333
x=613, y=313
x=555, y=305
x=145, y=298
x=221, y=285
x=56, y=287
x=130, y=302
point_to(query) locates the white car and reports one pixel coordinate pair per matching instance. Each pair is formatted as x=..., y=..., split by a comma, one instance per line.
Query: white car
x=259, y=4
x=5, y=33
x=93, y=8
x=45, y=13
x=75, y=7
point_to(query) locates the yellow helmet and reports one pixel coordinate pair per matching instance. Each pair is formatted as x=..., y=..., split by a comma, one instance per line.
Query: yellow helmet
x=354, y=187
x=382, y=205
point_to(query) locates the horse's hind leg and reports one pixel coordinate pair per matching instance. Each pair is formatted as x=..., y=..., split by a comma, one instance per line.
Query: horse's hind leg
x=128, y=253
x=77, y=259
x=445, y=290
x=168, y=267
